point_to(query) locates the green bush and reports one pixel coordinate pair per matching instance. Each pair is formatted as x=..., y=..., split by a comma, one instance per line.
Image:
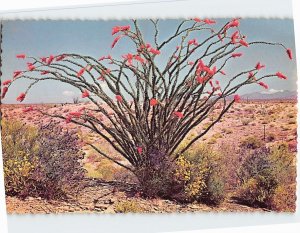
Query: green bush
x=263, y=176
x=202, y=173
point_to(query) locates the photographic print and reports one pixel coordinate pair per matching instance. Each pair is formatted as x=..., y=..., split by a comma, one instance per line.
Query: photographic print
x=149, y=115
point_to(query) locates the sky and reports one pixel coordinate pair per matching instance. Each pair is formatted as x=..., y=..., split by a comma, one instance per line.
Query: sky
x=42, y=38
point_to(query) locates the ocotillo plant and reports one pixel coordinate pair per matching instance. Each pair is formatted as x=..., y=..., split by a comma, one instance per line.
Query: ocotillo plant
x=152, y=106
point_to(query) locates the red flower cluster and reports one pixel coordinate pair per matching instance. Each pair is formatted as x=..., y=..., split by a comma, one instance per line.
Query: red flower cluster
x=21, y=97
x=259, y=66
x=44, y=72
x=21, y=56
x=139, y=150
x=80, y=72
x=117, y=29
x=119, y=98
x=209, y=21
x=85, y=94
x=233, y=23
x=7, y=82
x=193, y=42
x=280, y=75
x=234, y=55
x=30, y=66
x=153, y=102
x=237, y=98
x=28, y=109
x=17, y=73
x=264, y=85
x=178, y=114
x=50, y=59
x=115, y=41
x=289, y=53
x=61, y=57
x=4, y=91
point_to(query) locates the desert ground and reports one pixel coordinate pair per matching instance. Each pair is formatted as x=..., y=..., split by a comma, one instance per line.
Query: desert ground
x=107, y=186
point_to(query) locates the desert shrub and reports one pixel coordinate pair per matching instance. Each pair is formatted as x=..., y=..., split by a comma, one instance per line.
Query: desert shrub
x=284, y=198
x=156, y=178
x=40, y=162
x=270, y=137
x=200, y=170
x=265, y=175
x=246, y=121
x=251, y=142
x=20, y=152
x=128, y=207
x=59, y=172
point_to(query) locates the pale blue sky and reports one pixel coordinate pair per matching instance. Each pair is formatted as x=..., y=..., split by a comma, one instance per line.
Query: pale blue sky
x=42, y=38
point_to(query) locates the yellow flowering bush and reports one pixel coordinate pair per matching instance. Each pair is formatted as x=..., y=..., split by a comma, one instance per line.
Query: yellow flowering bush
x=201, y=172
x=19, y=155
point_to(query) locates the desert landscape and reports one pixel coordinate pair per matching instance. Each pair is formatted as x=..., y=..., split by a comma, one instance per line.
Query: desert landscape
x=149, y=116
x=109, y=189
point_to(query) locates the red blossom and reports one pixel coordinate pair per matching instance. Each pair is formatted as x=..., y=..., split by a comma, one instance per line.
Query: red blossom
x=154, y=51
x=85, y=94
x=31, y=67
x=251, y=75
x=43, y=59
x=117, y=29
x=200, y=80
x=28, y=109
x=119, y=98
x=17, y=73
x=263, y=85
x=21, y=56
x=244, y=43
x=237, y=98
x=234, y=36
x=222, y=72
x=21, y=97
x=191, y=63
x=116, y=40
x=50, y=59
x=44, y=72
x=198, y=20
x=209, y=21
x=80, y=72
x=129, y=58
x=289, y=53
x=193, y=42
x=101, y=58
x=281, y=75
x=139, y=58
x=153, y=102
x=139, y=150
x=259, y=66
x=7, y=82
x=4, y=91
x=178, y=114
x=233, y=23
x=61, y=57
x=234, y=55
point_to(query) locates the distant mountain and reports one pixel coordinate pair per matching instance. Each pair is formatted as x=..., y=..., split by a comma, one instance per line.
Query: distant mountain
x=279, y=95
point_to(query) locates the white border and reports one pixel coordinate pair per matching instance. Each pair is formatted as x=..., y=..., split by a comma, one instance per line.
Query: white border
x=228, y=8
